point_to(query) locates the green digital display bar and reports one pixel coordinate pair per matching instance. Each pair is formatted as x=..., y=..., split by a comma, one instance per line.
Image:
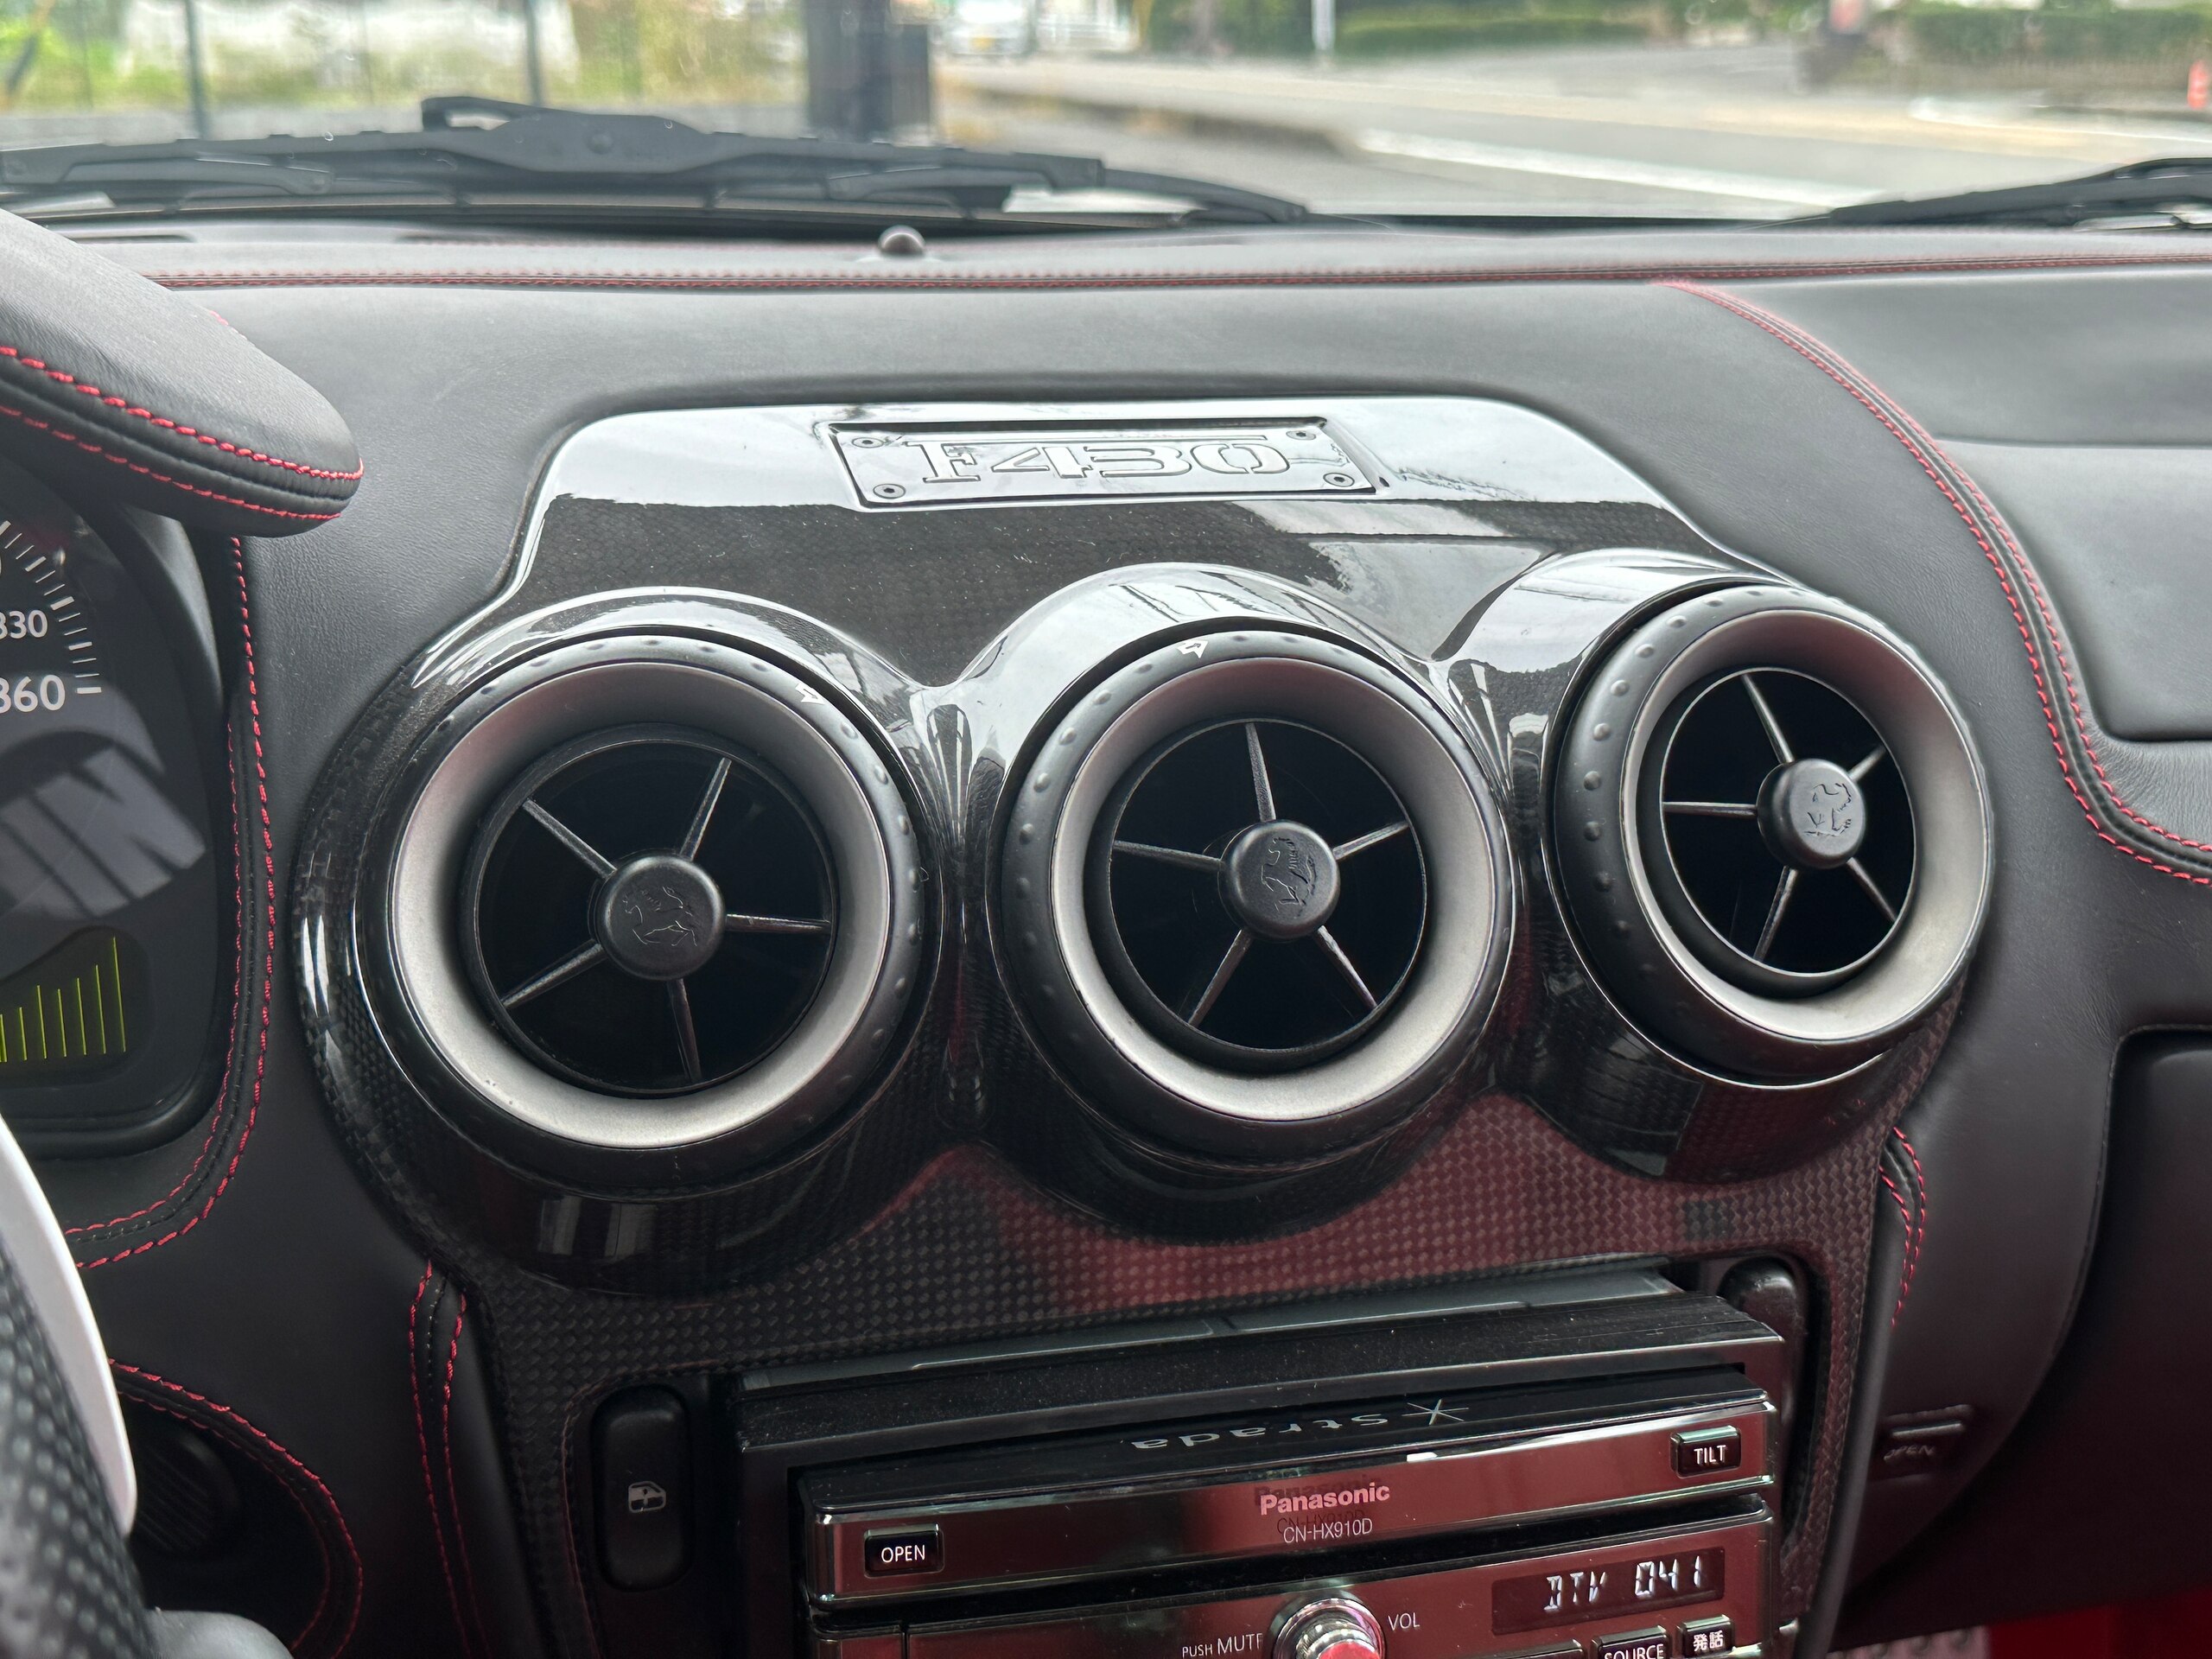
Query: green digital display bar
x=73, y=1012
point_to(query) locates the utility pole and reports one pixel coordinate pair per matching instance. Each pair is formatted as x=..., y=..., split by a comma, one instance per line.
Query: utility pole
x=532, y=52
x=83, y=51
x=1324, y=29
x=195, y=69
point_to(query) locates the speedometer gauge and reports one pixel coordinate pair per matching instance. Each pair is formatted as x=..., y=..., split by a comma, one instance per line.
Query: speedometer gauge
x=110, y=935
x=47, y=652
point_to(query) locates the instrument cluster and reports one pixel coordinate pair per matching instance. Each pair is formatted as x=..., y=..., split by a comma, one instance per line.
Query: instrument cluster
x=112, y=874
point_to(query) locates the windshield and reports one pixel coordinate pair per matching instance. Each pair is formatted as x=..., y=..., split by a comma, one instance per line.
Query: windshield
x=1726, y=109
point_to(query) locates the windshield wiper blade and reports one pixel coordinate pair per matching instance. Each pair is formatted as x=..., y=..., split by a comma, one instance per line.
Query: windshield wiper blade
x=578, y=156
x=2156, y=187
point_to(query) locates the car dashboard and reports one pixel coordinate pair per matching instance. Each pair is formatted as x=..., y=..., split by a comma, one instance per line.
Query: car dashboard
x=1323, y=942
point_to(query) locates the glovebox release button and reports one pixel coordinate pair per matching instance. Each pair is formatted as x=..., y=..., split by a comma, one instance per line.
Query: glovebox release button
x=910, y=1549
x=641, y=1443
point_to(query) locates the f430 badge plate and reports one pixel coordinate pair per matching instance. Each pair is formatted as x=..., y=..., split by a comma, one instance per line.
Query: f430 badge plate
x=924, y=465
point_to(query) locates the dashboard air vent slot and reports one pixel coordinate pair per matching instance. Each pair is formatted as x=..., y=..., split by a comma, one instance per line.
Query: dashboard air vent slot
x=1252, y=894
x=1779, y=833
x=1260, y=896
x=1770, y=832
x=655, y=911
x=649, y=911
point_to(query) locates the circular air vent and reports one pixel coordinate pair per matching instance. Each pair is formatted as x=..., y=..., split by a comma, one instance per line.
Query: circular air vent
x=658, y=899
x=1258, y=894
x=1251, y=894
x=649, y=911
x=1770, y=832
x=1779, y=829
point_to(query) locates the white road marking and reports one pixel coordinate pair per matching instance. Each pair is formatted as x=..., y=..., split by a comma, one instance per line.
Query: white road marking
x=2183, y=136
x=1566, y=164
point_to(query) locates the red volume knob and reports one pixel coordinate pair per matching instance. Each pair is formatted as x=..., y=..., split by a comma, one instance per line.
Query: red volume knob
x=1334, y=1627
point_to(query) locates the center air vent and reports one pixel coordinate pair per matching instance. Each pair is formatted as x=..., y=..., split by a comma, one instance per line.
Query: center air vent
x=656, y=909
x=649, y=911
x=1251, y=894
x=1258, y=894
x=1770, y=832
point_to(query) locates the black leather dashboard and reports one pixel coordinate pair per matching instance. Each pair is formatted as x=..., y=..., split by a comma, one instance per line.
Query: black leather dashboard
x=2020, y=514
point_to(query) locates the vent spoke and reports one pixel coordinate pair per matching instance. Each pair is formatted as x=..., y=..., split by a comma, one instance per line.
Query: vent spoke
x=601, y=866
x=1773, y=727
x=1328, y=943
x=1231, y=958
x=560, y=973
x=736, y=922
x=687, y=1032
x=702, y=956
x=1263, y=788
x=704, y=816
x=1775, y=761
x=1205, y=862
x=1783, y=893
x=1711, y=809
x=1181, y=949
x=1860, y=874
x=1372, y=838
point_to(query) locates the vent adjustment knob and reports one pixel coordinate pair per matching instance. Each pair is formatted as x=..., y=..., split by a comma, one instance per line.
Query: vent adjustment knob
x=1337, y=1627
x=659, y=917
x=1812, y=815
x=1279, y=881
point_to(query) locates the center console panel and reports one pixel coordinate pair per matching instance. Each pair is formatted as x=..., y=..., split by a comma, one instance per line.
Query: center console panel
x=951, y=878
x=1588, y=1478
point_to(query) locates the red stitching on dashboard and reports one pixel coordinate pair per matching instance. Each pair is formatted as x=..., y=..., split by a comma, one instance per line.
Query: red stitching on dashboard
x=182, y=431
x=238, y=1421
x=230, y=1041
x=1818, y=357
x=90, y=448
x=1904, y=1215
x=268, y=977
x=1915, y=1224
x=1920, y=1181
x=453, y=1486
x=2081, y=724
x=321, y=1543
x=422, y=1442
x=2080, y=717
x=1315, y=277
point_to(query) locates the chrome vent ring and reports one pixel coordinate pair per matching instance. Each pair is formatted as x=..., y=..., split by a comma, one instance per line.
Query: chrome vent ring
x=1770, y=832
x=1186, y=845
x=599, y=772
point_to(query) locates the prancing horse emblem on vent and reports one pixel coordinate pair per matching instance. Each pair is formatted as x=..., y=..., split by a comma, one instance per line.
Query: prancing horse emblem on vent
x=1291, y=873
x=1832, y=811
x=660, y=915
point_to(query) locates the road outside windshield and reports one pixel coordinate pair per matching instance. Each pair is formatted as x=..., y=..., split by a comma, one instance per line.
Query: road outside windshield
x=1712, y=108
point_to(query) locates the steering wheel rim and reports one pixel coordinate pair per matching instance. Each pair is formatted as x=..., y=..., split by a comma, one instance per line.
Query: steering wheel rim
x=68, y=1588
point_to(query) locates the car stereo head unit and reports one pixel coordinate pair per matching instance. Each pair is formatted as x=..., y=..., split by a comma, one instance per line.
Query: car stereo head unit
x=1619, y=1518
x=1587, y=1467
x=1693, y=1591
